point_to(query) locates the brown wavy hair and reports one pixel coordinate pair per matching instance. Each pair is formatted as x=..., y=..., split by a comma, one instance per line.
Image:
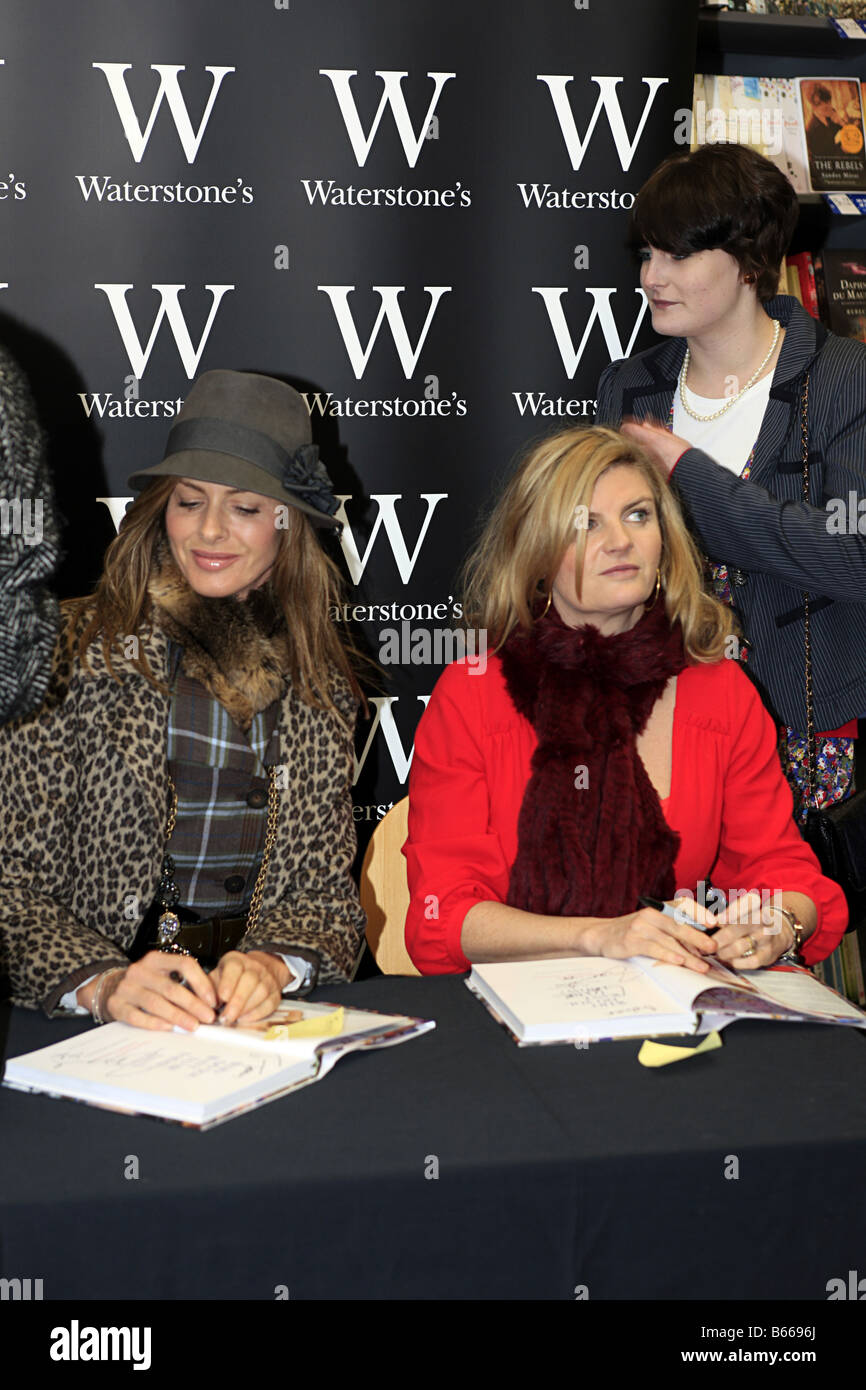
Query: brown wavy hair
x=305, y=582
x=532, y=525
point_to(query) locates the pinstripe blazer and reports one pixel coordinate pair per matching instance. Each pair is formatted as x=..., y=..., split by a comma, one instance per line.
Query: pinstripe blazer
x=761, y=527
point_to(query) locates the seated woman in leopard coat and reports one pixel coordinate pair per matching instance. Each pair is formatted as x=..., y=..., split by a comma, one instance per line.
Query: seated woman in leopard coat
x=182, y=798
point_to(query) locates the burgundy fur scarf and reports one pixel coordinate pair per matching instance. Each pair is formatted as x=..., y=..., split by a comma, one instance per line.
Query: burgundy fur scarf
x=591, y=832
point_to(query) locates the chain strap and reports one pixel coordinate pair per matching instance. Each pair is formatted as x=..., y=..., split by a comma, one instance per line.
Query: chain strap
x=172, y=811
x=270, y=836
x=811, y=748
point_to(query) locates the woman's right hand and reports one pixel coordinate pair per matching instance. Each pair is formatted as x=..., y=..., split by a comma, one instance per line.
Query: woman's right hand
x=650, y=933
x=146, y=996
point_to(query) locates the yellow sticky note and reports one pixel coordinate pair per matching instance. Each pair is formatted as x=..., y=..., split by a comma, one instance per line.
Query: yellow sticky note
x=316, y=1026
x=653, y=1054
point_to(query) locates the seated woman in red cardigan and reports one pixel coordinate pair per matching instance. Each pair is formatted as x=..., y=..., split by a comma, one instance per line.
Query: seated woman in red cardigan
x=607, y=750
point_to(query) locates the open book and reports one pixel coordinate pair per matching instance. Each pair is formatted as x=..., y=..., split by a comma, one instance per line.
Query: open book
x=590, y=998
x=213, y=1074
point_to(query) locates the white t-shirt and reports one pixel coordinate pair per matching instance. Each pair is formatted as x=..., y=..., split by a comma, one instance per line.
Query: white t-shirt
x=731, y=438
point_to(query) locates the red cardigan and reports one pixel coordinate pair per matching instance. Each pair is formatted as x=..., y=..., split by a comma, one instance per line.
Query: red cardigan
x=729, y=802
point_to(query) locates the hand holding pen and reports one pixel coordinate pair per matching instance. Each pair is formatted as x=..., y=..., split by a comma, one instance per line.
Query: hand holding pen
x=684, y=936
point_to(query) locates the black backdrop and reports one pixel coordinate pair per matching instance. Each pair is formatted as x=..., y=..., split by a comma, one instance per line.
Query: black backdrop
x=415, y=213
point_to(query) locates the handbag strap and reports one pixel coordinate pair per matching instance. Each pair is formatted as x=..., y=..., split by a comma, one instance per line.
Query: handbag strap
x=811, y=742
x=811, y=749
x=270, y=836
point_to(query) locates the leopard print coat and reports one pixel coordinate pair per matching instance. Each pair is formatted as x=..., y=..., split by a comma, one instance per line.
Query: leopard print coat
x=83, y=806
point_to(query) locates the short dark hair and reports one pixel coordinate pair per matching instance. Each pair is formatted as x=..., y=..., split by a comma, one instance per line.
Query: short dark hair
x=725, y=197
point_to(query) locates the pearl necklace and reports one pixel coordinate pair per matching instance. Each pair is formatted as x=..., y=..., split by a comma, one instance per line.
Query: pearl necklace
x=733, y=400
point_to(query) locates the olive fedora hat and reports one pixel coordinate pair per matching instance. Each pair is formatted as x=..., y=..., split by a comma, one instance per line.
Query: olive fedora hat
x=252, y=433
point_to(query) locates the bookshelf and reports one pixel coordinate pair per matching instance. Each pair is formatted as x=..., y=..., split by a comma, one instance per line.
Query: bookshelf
x=775, y=45
x=771, y=35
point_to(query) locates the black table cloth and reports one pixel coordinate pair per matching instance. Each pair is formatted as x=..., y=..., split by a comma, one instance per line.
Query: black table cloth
x=562, y=1172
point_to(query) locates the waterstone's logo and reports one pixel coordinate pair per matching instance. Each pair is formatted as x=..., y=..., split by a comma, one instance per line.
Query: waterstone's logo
x=433, y=402
x=106, y=404
x=544, y=195
x=108, y=188
x=542, y=403
x=329, y=192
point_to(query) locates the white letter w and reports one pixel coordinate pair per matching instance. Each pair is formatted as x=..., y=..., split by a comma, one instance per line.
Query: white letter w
x=392, y=95
x=169, y=88
x=609, y=100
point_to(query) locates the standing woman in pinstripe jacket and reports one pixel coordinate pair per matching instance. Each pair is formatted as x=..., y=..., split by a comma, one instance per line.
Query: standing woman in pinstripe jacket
x=721, y=403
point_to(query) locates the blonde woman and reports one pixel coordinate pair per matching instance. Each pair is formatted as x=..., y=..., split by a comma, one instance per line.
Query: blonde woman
x=609, y=750
x=181, y=803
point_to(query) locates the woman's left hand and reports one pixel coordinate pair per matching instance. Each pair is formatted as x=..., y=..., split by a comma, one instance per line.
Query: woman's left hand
x=249, y=984
x=664, y=448
x=745, y=924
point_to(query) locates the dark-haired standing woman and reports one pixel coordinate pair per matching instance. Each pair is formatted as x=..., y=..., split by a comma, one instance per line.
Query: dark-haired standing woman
x=745, y=381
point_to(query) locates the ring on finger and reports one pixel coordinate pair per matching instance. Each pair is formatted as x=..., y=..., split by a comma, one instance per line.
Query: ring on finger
x=752, y=949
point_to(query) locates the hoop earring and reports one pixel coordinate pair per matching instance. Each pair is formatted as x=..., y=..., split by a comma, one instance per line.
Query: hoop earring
x=648, y=606
x=546, y=607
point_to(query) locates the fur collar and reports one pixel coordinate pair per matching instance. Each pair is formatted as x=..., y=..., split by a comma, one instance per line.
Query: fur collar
x=237, y=649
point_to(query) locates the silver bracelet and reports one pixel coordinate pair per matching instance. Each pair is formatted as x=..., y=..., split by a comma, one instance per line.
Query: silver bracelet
x=95, y=1007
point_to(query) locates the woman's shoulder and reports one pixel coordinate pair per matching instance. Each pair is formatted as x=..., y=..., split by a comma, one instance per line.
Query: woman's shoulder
x=835, y=354
x=717, y=694
x=344, y=695
x=476, y=685
x=75, y=614
x=640, y=367
x=69, y=671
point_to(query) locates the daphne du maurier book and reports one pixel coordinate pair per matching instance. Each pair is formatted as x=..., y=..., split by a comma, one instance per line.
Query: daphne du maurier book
x=586, y=997
x=213, y=1074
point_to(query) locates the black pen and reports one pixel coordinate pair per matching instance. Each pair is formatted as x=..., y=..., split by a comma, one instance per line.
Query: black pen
x=179, y=980
x=668, y=911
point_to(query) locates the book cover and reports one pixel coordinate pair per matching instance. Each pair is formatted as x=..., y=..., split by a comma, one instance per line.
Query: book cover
x=844, y=292
x=834, y=133
x=792, y=132
x=775, y=93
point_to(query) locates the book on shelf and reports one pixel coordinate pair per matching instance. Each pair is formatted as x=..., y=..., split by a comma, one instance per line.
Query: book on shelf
x=834, y=133
x=832, y=9
x=591, y=999
x=840, y=278
x=811, y=128
x=789, y=281
x=803, y=264
x=780, y=116
x=202, y=1078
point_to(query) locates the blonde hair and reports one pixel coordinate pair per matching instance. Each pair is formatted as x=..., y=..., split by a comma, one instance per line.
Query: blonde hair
x=304, y=580
x=534, y=522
